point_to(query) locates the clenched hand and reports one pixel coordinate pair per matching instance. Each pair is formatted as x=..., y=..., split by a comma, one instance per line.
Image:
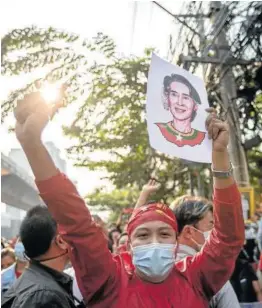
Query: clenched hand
x=32, y=114
x=218, y=131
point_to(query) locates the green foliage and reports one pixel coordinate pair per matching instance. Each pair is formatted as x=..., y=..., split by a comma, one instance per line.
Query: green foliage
x=116, y=200
x=255, y=169
x=111, y=116
x=249, y=100
x=64, y=56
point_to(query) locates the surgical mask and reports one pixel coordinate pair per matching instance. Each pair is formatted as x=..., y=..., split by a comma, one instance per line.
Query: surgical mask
x=206, y=236
x=20, y=252
x=154, y=260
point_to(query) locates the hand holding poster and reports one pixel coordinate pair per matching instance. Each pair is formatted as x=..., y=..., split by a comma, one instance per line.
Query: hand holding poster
x=176, y=103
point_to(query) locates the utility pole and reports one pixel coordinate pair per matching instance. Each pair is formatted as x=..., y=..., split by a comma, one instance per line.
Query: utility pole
x=228, y=95
x=201, y=31
x=225, y=61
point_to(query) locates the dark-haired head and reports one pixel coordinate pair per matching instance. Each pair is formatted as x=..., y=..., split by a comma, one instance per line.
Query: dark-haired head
x=194, y=217
x=37, y=231
x=190, y=210
x=41, y=240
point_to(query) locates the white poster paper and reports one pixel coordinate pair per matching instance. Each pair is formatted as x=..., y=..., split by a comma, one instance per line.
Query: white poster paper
x=176, y=103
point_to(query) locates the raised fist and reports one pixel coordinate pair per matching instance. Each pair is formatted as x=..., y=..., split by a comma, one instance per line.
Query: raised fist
x=151, y=187
x=218, y=131
x=32, y=114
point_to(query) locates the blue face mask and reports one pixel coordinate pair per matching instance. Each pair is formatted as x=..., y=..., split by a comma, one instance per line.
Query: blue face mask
x=154, y=260
x=19, y=252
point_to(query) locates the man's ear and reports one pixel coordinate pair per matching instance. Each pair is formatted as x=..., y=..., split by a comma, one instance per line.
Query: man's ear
x=61, y=242
x=187, y=232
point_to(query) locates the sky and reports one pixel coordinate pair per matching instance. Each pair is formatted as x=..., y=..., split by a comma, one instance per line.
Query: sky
x=133, y=25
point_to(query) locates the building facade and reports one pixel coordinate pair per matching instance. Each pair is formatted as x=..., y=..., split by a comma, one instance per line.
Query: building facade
x=17, y=194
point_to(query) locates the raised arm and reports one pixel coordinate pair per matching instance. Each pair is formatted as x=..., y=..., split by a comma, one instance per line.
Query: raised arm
x=93, y=264
x=151, y=187
x=213, y=265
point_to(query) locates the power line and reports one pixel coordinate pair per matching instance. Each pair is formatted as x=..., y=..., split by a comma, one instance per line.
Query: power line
x=223, y=16
x=176, y=17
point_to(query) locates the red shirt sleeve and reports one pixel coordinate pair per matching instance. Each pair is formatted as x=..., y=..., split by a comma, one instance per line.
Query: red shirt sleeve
x=213, y=265
x=93, y=263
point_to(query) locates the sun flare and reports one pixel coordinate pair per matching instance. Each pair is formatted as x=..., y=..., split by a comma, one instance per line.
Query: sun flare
x=50, y=92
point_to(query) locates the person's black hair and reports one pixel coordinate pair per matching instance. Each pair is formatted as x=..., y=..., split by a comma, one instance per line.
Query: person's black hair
x=37, y=231
x=179, y=78
x=190, y=210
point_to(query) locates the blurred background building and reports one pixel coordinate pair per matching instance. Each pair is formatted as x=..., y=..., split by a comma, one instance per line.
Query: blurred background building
x=19, y=193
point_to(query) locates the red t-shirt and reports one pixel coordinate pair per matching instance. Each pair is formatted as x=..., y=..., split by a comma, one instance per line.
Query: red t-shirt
x=192, y=282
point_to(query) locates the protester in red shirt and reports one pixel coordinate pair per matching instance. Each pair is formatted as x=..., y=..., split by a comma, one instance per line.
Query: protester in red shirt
x=147, y=276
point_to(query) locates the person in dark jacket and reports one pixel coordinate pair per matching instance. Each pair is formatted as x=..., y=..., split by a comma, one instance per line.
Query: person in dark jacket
x=43, y=284
x=245, y=281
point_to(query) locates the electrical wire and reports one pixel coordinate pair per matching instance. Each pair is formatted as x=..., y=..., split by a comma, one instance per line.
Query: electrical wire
x=218, y=26
x=228, y=55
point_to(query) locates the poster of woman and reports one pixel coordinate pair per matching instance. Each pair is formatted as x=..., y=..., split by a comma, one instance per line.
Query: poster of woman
x=176, y=103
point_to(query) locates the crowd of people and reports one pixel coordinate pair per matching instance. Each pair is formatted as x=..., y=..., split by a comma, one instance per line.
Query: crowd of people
x=192, y=253
x=195, y=221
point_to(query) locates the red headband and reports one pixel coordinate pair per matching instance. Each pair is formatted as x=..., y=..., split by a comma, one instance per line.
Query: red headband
x=150, y=212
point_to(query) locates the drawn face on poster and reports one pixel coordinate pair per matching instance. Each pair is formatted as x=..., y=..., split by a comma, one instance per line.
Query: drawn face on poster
x=180, y=100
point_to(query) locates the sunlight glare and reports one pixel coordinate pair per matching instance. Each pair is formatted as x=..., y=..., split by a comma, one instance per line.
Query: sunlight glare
x=50, y=92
